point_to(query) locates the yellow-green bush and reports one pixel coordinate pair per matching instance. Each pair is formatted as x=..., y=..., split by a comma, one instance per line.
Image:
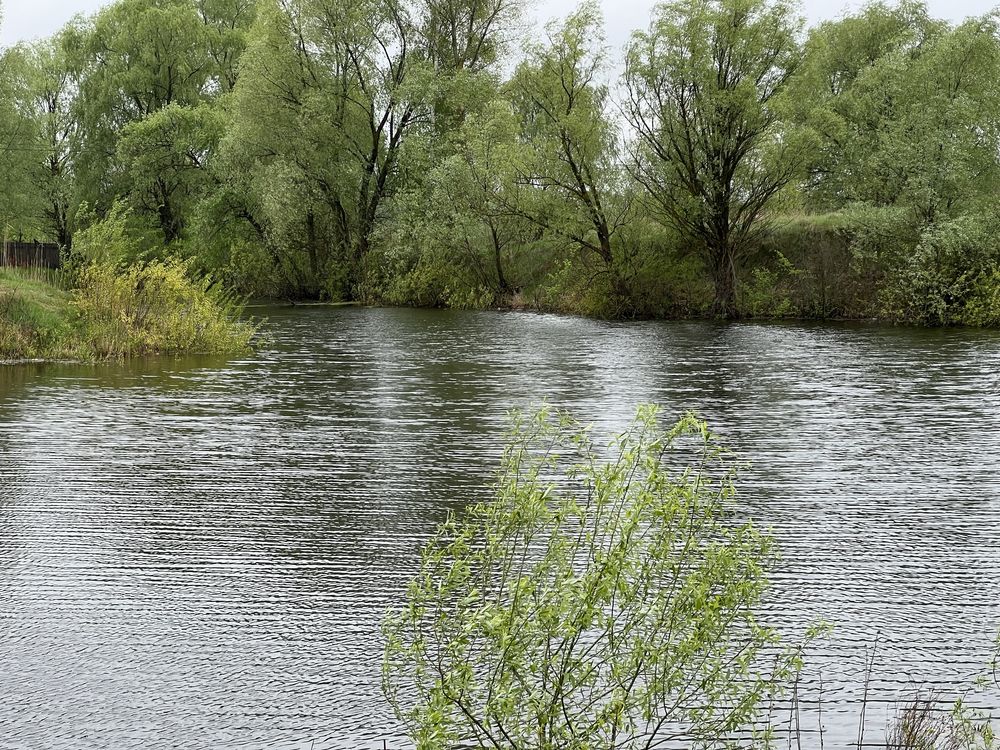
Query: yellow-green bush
x=156, y=308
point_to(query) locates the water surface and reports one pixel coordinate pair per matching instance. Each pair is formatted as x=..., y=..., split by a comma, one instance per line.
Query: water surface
x=196, y=553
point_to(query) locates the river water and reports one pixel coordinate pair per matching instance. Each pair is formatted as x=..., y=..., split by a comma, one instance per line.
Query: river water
x=196, y=553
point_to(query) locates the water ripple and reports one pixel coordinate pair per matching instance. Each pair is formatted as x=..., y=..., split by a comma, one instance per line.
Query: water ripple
x=196, y=553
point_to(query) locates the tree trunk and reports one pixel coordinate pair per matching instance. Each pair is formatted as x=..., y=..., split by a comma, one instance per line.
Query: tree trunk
x=311, y=248
x=169, y=223
x=502, y=285
x=724, y=278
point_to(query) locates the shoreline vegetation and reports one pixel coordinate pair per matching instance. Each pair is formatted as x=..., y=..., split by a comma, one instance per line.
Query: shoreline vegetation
x=113, y=316
x=116, y=313
x=431, y=153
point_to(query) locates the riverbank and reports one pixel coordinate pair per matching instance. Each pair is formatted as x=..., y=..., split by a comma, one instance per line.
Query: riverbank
x=114, y=313
x=36, y=320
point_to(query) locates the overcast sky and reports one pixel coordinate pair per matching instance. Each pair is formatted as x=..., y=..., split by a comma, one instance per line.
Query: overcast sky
x=30, y=19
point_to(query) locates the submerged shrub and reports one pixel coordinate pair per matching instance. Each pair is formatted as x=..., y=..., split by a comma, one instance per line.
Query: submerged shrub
x=157, y=308
x=928, y=723
x=591, y=603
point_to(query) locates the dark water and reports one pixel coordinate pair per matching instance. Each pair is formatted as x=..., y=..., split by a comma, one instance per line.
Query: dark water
x=196, y=553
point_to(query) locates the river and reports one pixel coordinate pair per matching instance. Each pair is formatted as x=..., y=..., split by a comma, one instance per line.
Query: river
x=196, y=553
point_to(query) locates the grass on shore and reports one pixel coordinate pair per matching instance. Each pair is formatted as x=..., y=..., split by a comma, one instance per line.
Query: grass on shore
x=36, y=319
x=113, y=313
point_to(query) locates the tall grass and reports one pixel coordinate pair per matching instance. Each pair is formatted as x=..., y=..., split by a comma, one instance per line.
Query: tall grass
x=106, y=311
x=157, y=308
x=58, y=277
x=35, y=318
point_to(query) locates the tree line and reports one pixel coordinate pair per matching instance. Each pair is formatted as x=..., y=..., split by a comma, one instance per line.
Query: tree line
x=730, y=162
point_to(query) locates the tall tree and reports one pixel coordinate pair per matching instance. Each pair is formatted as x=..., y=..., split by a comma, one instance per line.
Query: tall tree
x=903, y=109
x=701, y=86
x=20, y=192
x=136, y=60
x=52, y=89
x=348, y=82
x=451, y=236
x=463, y=40
x=848, y=97
x=573, y=173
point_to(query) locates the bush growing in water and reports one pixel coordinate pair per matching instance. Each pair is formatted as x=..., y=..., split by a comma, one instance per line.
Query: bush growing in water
x=157, y=308
x=590, y=604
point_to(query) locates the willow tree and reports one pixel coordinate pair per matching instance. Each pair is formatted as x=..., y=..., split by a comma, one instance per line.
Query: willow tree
x=904, y=111
x=20, y=196
x=145, y=69
x=52, y=89
x=847, y=96
x=464, y=41
x=904, y=114
x=329, y=92
x=701, y=85
x=572, y=177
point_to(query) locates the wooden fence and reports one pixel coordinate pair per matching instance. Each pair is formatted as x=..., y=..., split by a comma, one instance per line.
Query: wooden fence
x=30, y=254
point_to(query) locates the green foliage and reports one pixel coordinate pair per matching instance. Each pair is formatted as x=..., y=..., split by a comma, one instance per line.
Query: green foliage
x=933, y=282
x=592, y=603
x=763, y=296
x=453, y=238
x=328, y=96
x=166, y=156
x=116, y=240
x=35, y=319
x=808, y=266
x=903, y=110
x=982, y=307
x=119, y=311
x=20, y=191
x=570, y=171
x=150, y=75
x=157, y=308
x=701, y=84
x=927, y=274
x=398, y=152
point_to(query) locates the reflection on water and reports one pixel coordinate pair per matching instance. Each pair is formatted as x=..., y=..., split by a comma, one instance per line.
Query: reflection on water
x=196, y=553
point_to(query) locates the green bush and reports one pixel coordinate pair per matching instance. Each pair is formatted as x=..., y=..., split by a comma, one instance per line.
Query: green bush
x=982, y=308
x=157, y=308
x=119, y=238
x=806, y=267
x=766, y=294
x=591, y=602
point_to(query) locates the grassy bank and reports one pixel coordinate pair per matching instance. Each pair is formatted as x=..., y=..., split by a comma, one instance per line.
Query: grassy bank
x=36, y=319
x=112, y=312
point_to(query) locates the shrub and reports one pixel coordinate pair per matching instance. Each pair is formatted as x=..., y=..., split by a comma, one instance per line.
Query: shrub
x=932, y=283
x=928, y=723
x=764, y=296
x=157, y=308
x=591, y=604
x=805, y=267
x=118, y=238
